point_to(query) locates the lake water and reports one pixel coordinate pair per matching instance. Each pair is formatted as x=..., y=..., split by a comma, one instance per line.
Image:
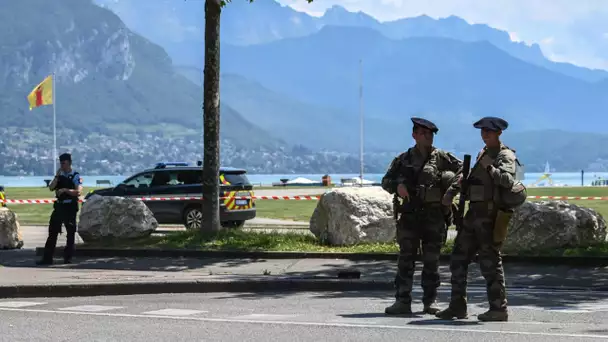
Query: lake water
x=559, y=179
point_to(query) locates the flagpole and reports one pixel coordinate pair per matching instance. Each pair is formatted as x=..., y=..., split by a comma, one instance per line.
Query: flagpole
x=361, y=121
x=54, y=124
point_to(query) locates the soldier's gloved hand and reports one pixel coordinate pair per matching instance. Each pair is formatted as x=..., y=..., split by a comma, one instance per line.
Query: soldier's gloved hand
x=447, y=200
x=402, y=192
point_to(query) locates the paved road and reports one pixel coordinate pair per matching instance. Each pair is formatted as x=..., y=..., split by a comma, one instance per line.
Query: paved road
x=535, y=316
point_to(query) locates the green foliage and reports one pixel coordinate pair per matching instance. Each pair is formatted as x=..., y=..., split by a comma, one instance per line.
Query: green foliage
x=239, y=240
x=129, y=80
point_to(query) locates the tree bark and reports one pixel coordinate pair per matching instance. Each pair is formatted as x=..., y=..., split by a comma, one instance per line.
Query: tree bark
x=211, y=118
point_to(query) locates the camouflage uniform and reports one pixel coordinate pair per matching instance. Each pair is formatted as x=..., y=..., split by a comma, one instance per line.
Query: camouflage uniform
x=423, y=220
x=477, y=235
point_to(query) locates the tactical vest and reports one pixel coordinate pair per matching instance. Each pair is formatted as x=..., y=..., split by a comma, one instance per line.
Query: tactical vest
x=483, y=189
x=424, y=181
x=67, y=182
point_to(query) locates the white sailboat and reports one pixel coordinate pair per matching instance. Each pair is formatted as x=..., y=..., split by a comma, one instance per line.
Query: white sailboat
x=546, y=176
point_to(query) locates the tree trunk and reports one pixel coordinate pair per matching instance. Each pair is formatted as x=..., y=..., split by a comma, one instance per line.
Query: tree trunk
x=211, y=117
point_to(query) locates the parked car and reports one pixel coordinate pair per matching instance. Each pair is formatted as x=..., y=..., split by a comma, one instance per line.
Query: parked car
x=183, y=180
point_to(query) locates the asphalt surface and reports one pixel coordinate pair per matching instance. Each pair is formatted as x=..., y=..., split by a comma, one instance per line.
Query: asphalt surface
x=534, y=316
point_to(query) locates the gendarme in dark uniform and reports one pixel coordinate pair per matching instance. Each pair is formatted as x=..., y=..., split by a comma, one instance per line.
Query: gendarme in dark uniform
x=67, y=185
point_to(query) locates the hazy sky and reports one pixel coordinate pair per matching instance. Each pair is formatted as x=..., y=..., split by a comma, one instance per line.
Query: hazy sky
x=574, y=31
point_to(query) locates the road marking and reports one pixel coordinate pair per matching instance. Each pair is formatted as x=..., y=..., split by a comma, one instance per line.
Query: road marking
x=560, y=309
x=90, y=308
x=323, y=324
x=19, y=304
x=263, y=316
x=446, y=288
x=573, y=309
x=174, y=312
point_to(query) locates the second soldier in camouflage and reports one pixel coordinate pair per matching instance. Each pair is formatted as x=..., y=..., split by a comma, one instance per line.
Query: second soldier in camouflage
x=493, y=193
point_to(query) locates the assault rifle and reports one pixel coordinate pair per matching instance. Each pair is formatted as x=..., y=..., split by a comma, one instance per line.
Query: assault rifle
x=464, y=189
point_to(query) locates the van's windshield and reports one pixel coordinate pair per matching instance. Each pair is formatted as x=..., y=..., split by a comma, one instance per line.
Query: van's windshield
x=236, y=178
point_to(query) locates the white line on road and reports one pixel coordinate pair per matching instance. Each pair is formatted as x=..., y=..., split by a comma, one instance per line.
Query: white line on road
x=264, y=316
x=174, y=312
x=446, y=288
x=322, y=324
x=90, y=308
x=19, y=304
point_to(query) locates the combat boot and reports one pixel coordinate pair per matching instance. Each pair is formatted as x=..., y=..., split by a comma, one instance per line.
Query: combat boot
x=494, y=316
x=453, y=311
x=431, y=308
x=399, y=308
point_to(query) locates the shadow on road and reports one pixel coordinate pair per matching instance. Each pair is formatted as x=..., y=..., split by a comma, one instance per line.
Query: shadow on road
x=25, y=258
x=539, y=300
x=517, y=275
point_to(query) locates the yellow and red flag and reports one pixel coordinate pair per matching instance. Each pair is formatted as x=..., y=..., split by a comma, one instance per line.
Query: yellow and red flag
x=42, y=94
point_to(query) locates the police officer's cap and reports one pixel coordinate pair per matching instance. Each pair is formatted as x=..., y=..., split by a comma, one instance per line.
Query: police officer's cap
x=65, y=157
x=425, y=123
x=492, y=123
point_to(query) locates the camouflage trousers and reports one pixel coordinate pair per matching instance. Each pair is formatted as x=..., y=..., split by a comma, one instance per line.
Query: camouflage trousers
x=420, y=231
x=477, y=236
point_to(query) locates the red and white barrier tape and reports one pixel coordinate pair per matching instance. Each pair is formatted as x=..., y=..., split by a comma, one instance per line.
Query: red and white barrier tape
x=285, y=198
x=570, y=198
x=292, y=198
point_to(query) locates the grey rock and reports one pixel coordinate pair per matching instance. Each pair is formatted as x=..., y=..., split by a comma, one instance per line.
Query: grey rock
x=10, y=231
x=348, y=216
x=106, y=218
x=554, y=224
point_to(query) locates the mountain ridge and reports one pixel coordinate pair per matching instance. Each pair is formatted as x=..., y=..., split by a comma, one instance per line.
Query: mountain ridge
x=410, y=74
x=247, y=24
x=120, y=103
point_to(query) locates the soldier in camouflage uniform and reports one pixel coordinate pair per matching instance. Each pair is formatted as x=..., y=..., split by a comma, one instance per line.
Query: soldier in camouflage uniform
x=493, y=172
x=415, y=176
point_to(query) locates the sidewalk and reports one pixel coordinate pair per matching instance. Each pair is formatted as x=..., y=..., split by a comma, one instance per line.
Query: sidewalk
x=19, y=275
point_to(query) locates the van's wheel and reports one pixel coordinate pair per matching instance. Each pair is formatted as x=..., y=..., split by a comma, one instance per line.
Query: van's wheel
x=193, y=218
x=233, y=224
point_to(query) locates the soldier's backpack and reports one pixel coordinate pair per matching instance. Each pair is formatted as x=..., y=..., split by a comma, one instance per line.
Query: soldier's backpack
x=510, y=198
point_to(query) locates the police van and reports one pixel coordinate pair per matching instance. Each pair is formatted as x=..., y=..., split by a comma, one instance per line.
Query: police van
x=175, y=180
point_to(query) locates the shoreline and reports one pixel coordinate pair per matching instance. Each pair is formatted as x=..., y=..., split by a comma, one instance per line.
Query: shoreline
x=555, y=180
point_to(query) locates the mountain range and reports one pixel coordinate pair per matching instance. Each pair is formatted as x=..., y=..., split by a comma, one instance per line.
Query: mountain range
x=178, y=26
x=129, y=84
x=121, y=105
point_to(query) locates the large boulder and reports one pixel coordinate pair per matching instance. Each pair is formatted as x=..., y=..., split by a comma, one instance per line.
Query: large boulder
x=553, y=224
x=110, y=217
x=348, y=216
x=10, y=234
